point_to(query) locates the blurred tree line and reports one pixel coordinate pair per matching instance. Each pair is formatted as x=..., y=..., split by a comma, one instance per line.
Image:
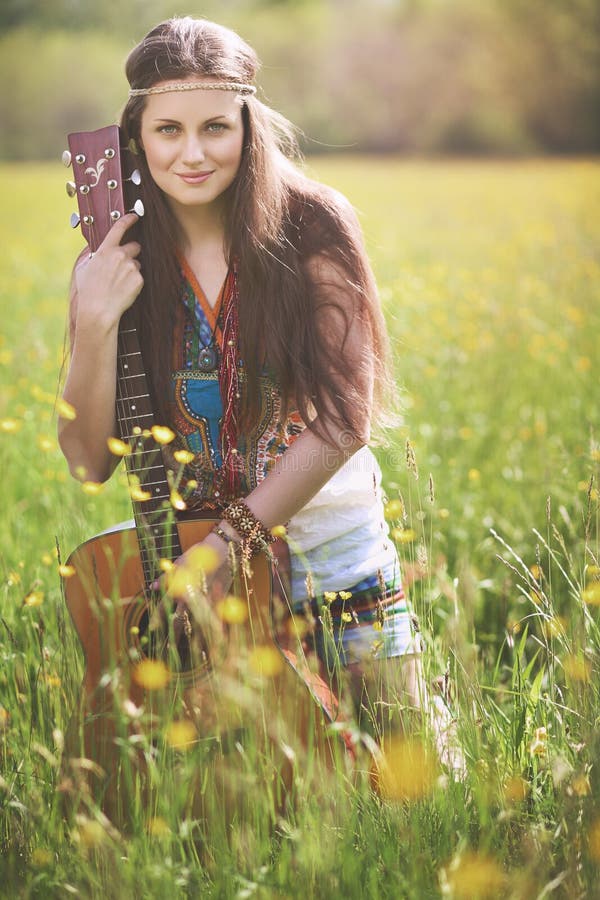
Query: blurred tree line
x=415, y=76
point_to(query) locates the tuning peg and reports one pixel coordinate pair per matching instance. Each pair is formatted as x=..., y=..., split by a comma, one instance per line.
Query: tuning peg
x=138, y=208
x=66, y=158
x=71, y=188
x=74, y=220
x=135, y=177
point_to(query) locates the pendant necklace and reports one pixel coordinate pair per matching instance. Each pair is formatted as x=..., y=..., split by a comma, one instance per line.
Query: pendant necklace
x=209, y=356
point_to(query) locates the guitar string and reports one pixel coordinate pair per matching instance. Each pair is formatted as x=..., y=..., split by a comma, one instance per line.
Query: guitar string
x=144, y=456
x=125, y=397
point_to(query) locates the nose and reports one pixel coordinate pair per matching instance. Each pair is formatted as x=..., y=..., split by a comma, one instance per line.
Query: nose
x=193, y=152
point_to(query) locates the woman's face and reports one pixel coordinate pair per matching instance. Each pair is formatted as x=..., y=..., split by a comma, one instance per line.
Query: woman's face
x=193, y=143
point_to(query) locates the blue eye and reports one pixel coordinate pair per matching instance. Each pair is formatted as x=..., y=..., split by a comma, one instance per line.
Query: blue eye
x=216, y=127
x=167, y=129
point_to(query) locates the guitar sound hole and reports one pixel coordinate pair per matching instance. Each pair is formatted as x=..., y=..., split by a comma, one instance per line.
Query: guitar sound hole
x=189, y=654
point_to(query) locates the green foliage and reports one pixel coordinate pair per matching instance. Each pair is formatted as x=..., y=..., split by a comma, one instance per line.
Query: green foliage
x=489, y=279
x=425, y=76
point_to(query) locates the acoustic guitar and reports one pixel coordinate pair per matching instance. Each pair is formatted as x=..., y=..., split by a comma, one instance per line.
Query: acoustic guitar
x=238, y=674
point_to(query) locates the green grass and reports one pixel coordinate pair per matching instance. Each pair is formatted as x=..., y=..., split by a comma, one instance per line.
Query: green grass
x=489, y=275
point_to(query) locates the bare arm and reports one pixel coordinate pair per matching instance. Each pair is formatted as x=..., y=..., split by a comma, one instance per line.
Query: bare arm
x=102, y=288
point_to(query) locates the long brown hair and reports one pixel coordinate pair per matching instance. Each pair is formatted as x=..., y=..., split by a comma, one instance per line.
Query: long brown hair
x=277, y=221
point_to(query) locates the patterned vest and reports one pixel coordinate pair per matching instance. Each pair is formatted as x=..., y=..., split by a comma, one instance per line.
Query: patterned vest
x=197, y=408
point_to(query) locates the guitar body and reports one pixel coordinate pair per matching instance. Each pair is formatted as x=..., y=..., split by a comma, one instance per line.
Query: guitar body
x=259, y=711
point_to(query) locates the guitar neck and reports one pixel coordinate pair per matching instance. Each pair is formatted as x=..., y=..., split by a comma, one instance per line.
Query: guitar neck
x=105, y=193
x=156, y=526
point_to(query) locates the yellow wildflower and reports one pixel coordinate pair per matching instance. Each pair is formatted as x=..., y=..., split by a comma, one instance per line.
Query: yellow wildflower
x=138, y=494
x=232, y=610
x=183, y=456
x=66, y=571
x=475, y=876
x=516, y=789
x=181, y=734
x=10, y=426
x=594, y=841
x=405, y=770
x=92, y=488
x=90, y=833
x=162, y=434
x=34, y=598
x=404, y=535
x=151, y=674
x=65, y=410
x=581, y=785
x=118, y=447
x=394, y=509
x=45, y=443
x=265, y=661
x=191, y=569
x=553, y=627
x=591, y=594
x=278, y=531
x=329, y=596
x=41, y=858
x=577, y=668
x=4, y=718
x=177, y=501
x=157, y=827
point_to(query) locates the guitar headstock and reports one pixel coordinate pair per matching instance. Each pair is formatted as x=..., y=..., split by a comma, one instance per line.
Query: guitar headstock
x=104, y=191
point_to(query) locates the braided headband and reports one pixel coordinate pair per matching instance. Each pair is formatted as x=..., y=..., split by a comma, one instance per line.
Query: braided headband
x=195, y=86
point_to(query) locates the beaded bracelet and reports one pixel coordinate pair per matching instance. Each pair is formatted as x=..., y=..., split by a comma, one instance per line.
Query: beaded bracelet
x=253, y=532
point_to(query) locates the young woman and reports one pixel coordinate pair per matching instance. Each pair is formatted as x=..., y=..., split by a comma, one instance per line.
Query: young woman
x=265, y=345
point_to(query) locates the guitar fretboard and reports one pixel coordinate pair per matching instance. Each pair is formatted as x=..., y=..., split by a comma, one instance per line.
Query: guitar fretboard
x=157, y=533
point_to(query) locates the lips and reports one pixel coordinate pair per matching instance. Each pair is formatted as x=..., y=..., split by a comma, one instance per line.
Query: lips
x=194, y=177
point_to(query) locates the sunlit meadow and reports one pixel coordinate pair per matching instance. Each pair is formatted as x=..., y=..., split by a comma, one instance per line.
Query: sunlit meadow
x=489, y=274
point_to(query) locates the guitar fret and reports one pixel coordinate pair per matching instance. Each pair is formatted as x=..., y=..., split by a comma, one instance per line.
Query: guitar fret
x=135, y=396
x=132, y=418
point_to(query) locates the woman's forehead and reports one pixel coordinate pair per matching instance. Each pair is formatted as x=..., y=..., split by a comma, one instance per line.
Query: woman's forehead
x=196, y=104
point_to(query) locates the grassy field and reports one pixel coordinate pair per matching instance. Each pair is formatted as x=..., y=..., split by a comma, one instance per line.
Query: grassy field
x=490, y=277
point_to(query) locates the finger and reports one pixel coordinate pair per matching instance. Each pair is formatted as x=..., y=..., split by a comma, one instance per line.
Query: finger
x=118, y=230
x=131, y=248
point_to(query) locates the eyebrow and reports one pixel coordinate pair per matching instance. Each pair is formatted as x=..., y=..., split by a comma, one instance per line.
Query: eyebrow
x=206, y=122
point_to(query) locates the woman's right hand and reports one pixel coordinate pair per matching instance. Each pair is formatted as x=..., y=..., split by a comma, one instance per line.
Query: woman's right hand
x=108, y=282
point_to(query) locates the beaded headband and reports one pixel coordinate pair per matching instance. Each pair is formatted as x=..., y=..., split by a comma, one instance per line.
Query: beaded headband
x=195, y=86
